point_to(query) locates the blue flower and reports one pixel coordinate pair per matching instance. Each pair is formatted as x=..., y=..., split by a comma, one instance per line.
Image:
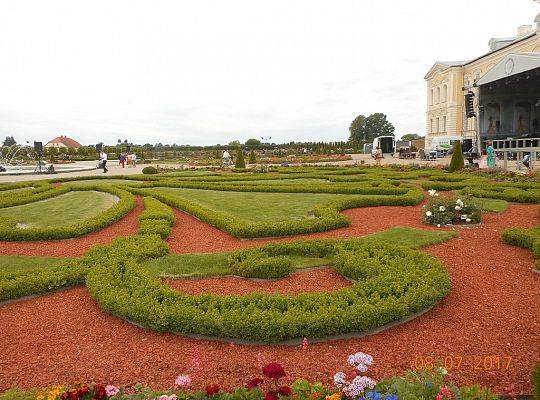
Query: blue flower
x=392, y=397
x=374, y=396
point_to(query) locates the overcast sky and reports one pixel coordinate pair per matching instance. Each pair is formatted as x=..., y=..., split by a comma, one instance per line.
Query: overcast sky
x=207, y=72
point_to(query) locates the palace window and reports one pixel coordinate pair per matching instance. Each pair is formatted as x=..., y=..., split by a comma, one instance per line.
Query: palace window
x=444, y=124
x=445, y=92
x=437, y=126
x=438, y=96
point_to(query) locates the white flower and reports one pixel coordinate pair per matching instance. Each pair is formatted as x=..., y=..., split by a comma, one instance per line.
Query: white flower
x=438, y=225
x=457, y=208
x=436, y=194
x=442, y=208
x=432, y=192
x=443, y=371
x=459, y=202
x=424, y=206
x=429, y=213
x=464, y=216
x=468, y=220
x=339, y=379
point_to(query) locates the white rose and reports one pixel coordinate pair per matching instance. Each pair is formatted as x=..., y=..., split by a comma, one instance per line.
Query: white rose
x=429, y=213
x=432, y=192
x=441, y=208
x=457, y=208
x=438, y=225
x=468, y=220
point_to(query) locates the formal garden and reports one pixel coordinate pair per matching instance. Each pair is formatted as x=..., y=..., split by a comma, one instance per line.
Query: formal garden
x=299, y=282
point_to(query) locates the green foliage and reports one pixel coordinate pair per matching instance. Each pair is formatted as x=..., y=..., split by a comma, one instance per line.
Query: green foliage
x=426, y=385
x=15, y=284
x=415, y=281
x=155, y=209
x=457, y=162
x=256, y=263
x=252, y=158
x=150, y=170
x=526, y=238
x=126, y=203
x=364, y=129
x=326, y=216
x=159, y=227
x=11, y=199
x=240, y=163
x=443, y=211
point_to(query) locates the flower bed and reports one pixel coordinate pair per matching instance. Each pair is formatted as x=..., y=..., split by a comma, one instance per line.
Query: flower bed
x=272, y=384
x=445, y=211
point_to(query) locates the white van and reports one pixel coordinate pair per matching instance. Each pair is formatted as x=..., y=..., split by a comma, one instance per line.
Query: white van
x=441, y=143
x=386, y=143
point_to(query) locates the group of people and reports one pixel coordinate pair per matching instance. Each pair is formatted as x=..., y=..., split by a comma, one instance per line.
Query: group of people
x=127, y=158
x=124, y=158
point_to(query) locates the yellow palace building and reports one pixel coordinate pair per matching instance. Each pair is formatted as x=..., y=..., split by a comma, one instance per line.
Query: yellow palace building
x=502, y=88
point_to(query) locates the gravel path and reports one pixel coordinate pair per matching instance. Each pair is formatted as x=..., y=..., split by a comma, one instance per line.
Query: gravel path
x=491, y=311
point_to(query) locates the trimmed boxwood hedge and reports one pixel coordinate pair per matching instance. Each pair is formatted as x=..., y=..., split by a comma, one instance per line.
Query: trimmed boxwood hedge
x=327, y=216
x=9, y=232
x=256, y=263
x=19, y=198
x=400, y=283
x=526, y=238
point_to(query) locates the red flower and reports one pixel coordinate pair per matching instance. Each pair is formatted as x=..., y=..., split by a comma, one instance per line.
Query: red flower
x=211, y=389
x=274, y=371
x=254, y=383
x=100, y=392
x=271, y=396
x=285, y=391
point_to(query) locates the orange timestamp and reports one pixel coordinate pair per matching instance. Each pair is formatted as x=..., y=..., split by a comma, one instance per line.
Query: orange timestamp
x=491, y=362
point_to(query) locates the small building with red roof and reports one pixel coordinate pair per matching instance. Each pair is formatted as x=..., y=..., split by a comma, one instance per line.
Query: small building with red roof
x=63, y=141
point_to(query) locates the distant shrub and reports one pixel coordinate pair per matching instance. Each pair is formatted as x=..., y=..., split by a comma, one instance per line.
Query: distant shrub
x=149, y=170
x=457, y=162
x=240, y=162
x=252, y=158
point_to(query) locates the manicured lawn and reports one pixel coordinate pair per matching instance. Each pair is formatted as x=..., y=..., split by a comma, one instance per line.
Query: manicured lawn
x=127, y=182
x=215, y=264
x=255, y=206
x=211, y=264
x=492, y=205
x=411, y=237
x=25, y=263
x=65, y=209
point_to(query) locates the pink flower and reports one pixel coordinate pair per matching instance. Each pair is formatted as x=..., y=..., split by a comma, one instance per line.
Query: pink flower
x=165, y=397
x=182, y=381
x=260, y=360
x=305, y=344
x=111, y=390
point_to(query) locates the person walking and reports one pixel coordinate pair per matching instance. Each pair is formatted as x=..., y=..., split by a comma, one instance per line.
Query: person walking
x=490, y=155
x=122, y=160
x=378, y=156
x=134, y=160
x=103, y=160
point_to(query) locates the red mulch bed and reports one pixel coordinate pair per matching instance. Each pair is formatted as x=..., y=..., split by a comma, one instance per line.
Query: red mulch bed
x=492, y=310
x=314, y=280
x=76, y=247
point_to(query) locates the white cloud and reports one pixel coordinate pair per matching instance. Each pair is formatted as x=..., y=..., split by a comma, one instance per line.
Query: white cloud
x=205, y=72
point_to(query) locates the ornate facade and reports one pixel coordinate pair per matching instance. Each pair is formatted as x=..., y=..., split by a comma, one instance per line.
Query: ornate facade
x=447, y=82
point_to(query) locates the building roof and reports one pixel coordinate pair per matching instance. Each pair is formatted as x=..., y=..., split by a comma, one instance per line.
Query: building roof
x=512, y=64
x=68, y=142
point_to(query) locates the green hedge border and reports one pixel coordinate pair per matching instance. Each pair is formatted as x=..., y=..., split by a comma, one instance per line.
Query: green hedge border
x=126, y=203
x=327, y=216
x=526, y=238
x=397, y=282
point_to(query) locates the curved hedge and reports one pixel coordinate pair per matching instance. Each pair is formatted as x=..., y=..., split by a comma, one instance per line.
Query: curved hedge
x=526, y=238
x=256, y=263
x=9, y=232
x=395, y=283
x=327, y=216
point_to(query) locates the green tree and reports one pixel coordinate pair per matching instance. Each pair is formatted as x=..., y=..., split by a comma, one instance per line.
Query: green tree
x=252, y=158
x=378, y=125
x=235, y=143
x=253, y=143
x=240, y=162
x=410, y=136
x=457, y=162
x=9, y=141
x=357, y=130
